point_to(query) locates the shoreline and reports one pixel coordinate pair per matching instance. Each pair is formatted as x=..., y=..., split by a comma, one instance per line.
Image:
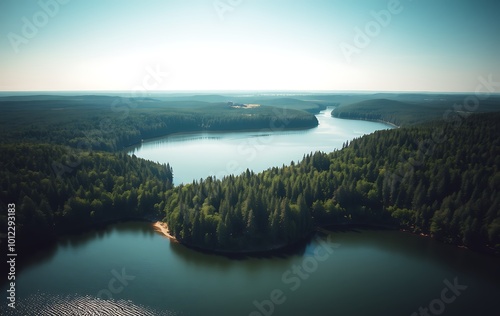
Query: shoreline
x=324, y=229
x=162, y=228
x=368, y=120
x=138, y=144
x=268, y=251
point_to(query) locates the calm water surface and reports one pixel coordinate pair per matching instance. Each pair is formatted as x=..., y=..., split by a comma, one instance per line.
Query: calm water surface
x=355, y=272
x=198, y=155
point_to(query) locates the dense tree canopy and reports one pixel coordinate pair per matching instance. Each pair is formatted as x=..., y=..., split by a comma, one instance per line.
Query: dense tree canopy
x=439, y=179
x=411, y=109
x=111, y=124
x=100, y=187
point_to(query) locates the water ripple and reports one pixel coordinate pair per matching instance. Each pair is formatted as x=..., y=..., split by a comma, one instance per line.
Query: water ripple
x=43, y=304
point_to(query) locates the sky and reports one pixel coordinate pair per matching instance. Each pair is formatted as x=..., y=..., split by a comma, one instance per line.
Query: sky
x=220, y=45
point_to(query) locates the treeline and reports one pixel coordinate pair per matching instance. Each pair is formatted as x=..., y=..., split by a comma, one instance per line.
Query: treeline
x=400, y=113
x=408, y=109
x=440, y=179
x=102, y=187
x=89, y=123
x=375, y=117
x=120, y=133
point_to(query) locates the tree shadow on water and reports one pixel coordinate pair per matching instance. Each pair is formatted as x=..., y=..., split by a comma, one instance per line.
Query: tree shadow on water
x=195, y=254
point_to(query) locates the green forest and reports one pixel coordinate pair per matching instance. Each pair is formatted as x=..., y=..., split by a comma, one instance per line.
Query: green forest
x=440, y=179
x=411, y=109
x=62, y=166
x=100, y=188
x=112, y=123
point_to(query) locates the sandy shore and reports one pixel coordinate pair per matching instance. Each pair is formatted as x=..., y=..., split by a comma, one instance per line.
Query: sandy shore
x=162, y=228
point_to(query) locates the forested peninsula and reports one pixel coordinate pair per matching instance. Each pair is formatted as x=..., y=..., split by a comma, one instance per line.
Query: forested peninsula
x=410, y=109
x=439, y=178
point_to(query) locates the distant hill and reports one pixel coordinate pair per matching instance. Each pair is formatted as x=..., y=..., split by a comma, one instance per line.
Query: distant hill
x=410, y=109
x=395, y=112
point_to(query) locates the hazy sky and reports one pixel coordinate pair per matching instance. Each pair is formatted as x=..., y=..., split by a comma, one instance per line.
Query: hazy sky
x=419, y=45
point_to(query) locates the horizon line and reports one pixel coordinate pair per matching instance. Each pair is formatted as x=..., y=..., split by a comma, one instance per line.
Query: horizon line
x=242, y=91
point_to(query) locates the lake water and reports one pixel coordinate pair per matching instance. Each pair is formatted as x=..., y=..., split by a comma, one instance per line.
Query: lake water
x=128, y=269
x=198, y=155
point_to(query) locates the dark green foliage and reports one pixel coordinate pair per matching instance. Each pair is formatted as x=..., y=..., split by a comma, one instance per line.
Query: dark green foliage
x=101, y=187
x=411, y=109
x=110, y=124
x=236, y=214
x=439, y=179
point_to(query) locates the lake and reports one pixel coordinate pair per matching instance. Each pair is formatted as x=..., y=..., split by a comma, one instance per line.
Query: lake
x=129, y=269
x=199, y=155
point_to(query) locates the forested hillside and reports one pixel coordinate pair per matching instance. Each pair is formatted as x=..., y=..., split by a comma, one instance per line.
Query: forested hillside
x=110, y=124
x=411, y=109
x=439, y=179
x=100, y=187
